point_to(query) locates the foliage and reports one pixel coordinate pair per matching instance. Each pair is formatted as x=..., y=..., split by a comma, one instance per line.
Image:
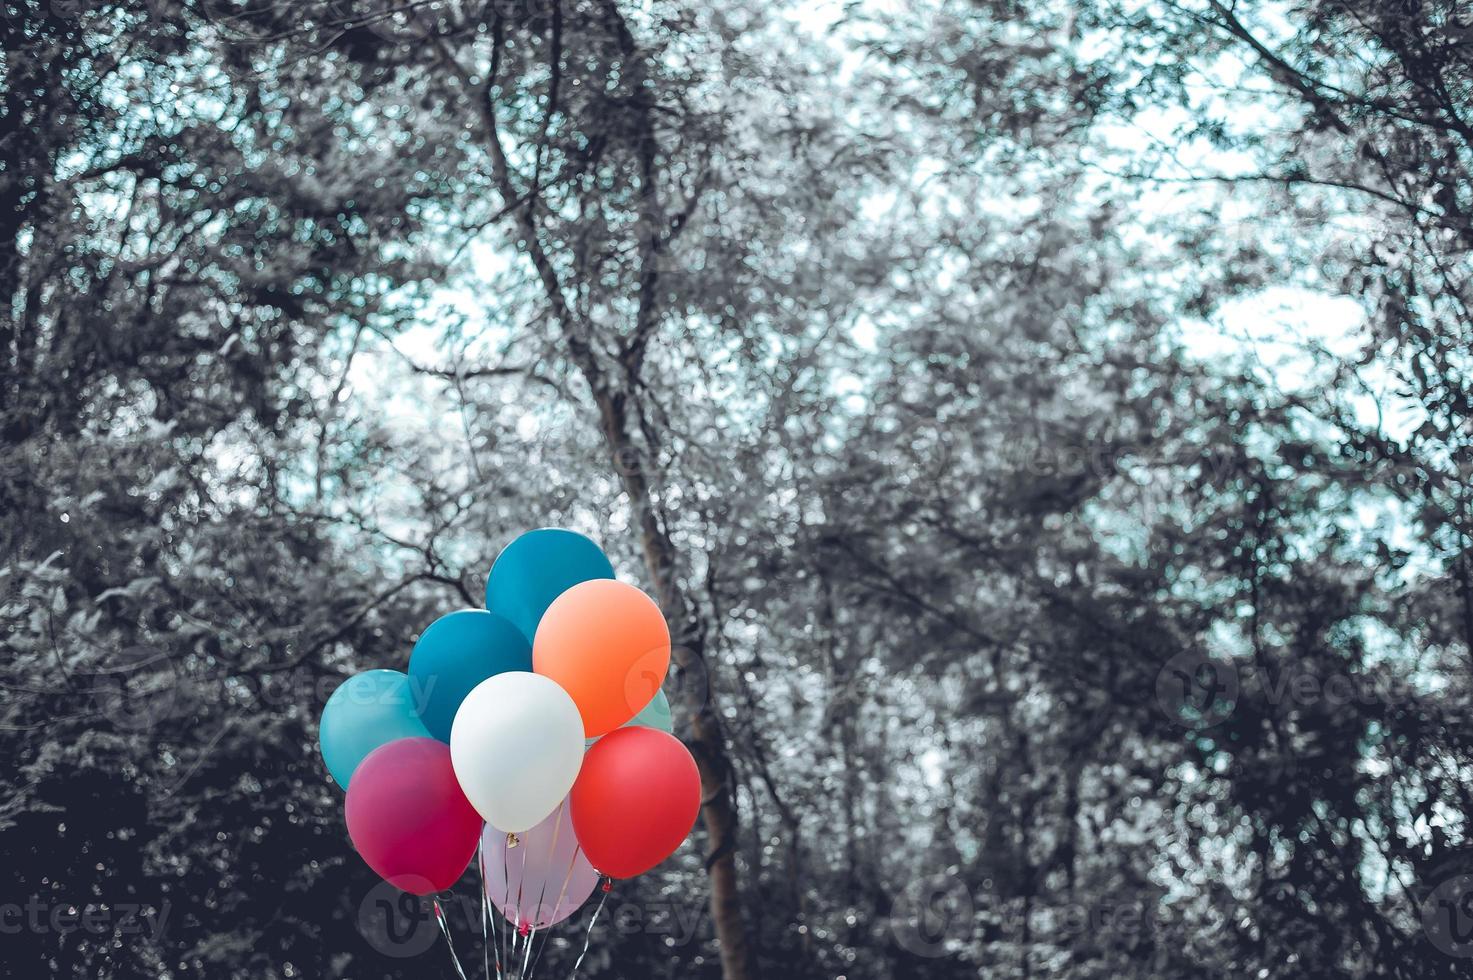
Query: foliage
x=868, y=347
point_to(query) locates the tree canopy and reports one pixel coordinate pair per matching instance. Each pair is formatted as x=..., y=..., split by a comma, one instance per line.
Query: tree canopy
x=1046, y=427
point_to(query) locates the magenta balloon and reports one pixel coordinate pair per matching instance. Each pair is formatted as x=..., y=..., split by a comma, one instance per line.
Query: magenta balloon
x=544, y=878
x=408, y=817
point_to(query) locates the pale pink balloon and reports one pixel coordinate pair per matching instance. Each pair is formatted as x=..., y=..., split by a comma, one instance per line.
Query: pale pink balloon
x=544, y=878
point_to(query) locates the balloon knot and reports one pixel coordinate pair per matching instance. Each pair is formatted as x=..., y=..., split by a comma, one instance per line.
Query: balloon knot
x=511, y=840
x=525, y=928
x=608, y=885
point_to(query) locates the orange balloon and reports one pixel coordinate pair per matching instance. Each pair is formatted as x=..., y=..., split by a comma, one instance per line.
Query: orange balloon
x=607, y=644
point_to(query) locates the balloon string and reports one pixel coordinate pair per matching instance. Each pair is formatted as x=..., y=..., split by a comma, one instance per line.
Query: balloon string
x=542, y=893
x=526, y=957
x=562, y=892
x=486, y=914
x=485, y=937
x=558, y=905
x=449, y=943
x=521, y=881
x=520, y=933
x=511, y=937
x=589, y=937
x=551, y=850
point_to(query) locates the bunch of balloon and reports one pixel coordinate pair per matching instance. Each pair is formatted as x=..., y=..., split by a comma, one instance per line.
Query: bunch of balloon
x=533, y=732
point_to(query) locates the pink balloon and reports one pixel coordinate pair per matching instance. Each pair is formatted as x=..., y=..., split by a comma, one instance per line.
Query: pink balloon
x=544, y=878
x=408, y=817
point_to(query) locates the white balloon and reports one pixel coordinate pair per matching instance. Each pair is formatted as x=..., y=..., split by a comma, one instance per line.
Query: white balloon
x=516, y=745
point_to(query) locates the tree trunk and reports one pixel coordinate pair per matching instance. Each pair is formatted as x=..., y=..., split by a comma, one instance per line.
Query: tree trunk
x=687, y=632
x=708, y=740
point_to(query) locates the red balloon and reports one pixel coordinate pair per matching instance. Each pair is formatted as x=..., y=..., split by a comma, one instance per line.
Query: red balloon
x=408, y=817
x=635, y=800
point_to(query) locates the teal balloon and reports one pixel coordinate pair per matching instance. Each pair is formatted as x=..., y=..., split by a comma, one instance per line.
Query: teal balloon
x=538, y=567
x=454, y=654
x=367, y=710
x=656, y=714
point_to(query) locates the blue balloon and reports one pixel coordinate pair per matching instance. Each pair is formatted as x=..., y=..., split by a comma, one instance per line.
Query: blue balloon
x=656, y=714
x=538, y=567
x=367, y=710
x=458, y=651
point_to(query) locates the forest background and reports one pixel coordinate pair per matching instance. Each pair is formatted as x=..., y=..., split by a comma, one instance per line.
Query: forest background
x=1045, y=425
